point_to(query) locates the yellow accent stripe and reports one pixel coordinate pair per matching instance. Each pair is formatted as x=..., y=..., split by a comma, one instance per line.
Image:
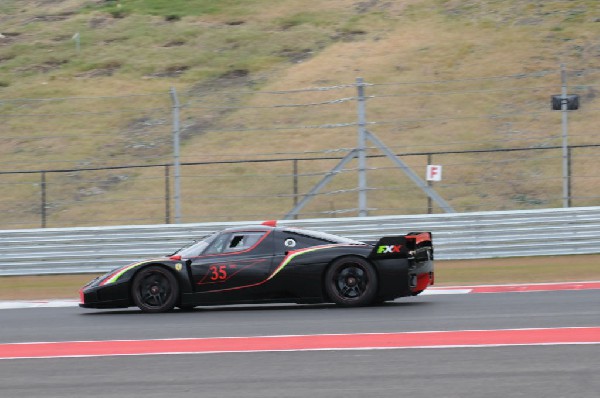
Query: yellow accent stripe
x=295, y=254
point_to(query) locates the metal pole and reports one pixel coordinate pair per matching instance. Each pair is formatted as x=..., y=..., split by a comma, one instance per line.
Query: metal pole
x=332, y=173
x=167, y=196
x=411, y=174
x=429, y=184
x=565, y=138
x=176, y=165
x=77, y=38
x=43, y=188
x=295, y=186
x=570, y=187
x=362, y=158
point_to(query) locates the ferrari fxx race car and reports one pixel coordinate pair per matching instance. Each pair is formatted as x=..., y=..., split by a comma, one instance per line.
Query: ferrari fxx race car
x=270, y=264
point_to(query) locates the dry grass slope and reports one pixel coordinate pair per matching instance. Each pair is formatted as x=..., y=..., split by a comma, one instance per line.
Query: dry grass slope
x=207, y=48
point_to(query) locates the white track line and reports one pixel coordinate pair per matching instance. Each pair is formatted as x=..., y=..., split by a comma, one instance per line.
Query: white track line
x=19, y=304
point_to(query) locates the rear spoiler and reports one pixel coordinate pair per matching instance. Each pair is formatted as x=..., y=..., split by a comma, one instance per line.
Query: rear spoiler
x=417, y=246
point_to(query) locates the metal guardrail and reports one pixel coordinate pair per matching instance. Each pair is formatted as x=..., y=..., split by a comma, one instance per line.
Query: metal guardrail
x=456, y=236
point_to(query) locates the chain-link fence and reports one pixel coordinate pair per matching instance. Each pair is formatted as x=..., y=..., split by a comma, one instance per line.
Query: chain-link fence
x=256, y=153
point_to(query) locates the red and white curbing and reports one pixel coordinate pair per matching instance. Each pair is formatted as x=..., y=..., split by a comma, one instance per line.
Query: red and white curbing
x=514, y=288
x=19, y=304
x=320, y=342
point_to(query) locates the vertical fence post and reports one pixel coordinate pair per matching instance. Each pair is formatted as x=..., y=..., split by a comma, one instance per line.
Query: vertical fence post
x=362, y=158
x=569, y=177
x=429, y=183
x=43, y=198
x=167, y=196
x=565, y=139
x=176, y=166
x=295, y=172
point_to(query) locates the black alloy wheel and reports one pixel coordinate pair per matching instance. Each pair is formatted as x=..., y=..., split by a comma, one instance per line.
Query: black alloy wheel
x=155, y=289
x=351, y=282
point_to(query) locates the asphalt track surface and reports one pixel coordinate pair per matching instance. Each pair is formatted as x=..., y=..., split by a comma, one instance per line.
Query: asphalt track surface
x=509, y=371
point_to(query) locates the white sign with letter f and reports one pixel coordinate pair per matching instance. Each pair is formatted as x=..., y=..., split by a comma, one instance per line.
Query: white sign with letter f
x=434, y=172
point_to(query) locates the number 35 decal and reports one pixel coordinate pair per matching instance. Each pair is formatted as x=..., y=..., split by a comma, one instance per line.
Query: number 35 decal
x=218, y=273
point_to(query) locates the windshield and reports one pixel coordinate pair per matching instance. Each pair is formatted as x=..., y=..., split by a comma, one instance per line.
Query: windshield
x=195, y=248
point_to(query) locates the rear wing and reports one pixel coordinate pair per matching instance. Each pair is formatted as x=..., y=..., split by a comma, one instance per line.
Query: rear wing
x=417, y=246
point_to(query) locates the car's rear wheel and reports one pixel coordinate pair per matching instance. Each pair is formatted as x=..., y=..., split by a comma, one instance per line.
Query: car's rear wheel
x=351, y=282
x=155, y=289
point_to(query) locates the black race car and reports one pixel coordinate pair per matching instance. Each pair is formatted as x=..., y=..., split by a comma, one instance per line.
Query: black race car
x=270, y=264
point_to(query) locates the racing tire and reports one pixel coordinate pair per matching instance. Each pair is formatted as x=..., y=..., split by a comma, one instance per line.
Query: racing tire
x=351, y=282
x=155, y=289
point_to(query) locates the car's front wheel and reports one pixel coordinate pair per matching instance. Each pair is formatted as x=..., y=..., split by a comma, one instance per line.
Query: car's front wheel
x=351, y=282
x=155, y=289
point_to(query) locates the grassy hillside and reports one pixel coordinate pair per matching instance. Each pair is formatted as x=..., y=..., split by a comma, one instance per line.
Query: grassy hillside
x=222, y=55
